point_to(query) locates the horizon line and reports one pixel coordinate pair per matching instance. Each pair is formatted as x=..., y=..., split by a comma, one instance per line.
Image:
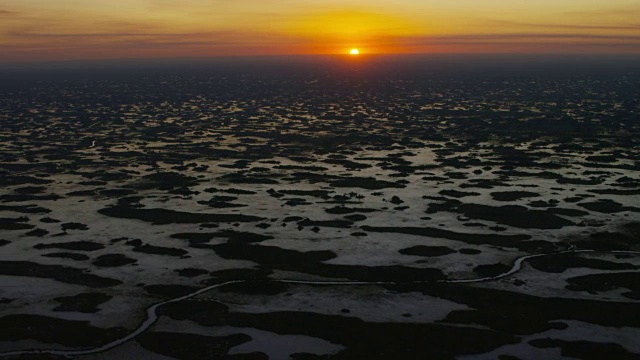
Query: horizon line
x=27, y=63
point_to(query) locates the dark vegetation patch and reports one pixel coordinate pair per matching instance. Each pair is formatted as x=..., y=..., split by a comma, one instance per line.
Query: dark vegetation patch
x=469, y=251
x=18, y=223
x=513, y=215
x=607, y=282
x=74, y=226
x=230, y=191
x=196, y=238
x=365, y=183
x=113, y=260
x=607, y=207
x=574, y=199
x=608, y=241
x=169, y=291
x=586, y=350
x=255, y=288
x=222, y=198
x=323, y=194
x=311, y=168
x=209, y=226
x=46, y=329
x=164, y=216
x=103, y=175
x=25, y=209
x=84, y=303
x=160, y=250
x=191, y=272
x=31, y=190
x=37, y=232
x=166, y=181
x=543, y=204
x=341, y=210
x=190, y=346
x=456, y=175
x=25, y=197
x=221, y=202
x=436, y=178
x=520, y=313
x=568, y=212
x=633, y=228
x=622, y=192
x=10, y=180
x=558, y=263
x=574, y=181
x=348, y=164
x=296, y=202
x=73, y=245
x=326, y=223
x=309, y=356
x=457, y=194
x=396, y=200
x=427, y=251
x=508, y=357
x=491, y=270
x=63, y=274
x=240, y=178
x=512, y=241
x=239, y=164
x=93, y=183
x=355, y=217
x=138, y=246
x=483, y=184
x=312, y=262
x=443, y=204
x=363, y=340
x=66, y=255
x=117, y=192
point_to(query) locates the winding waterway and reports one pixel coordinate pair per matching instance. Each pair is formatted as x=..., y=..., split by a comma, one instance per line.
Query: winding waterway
x=152, y=316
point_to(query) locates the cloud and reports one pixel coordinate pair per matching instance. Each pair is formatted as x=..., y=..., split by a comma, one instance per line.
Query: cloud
x=530, y=37
x=516, y=43
x=7, y=13
x=150, y=42
x=98, y=35
x=621, y=11
x=568, y=26
x=142, y=41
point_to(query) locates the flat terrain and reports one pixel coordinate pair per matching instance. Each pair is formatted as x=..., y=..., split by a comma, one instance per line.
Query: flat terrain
x=411, y=219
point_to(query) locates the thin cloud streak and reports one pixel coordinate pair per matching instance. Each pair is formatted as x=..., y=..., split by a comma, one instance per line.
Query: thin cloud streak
x=566, y=26
x=99, y=35
x=524, y=36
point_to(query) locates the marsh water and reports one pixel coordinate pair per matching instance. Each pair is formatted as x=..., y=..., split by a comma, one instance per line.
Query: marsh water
x=335, y=210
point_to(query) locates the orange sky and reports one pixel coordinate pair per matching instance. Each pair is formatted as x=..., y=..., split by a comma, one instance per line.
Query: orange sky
x=35, y=30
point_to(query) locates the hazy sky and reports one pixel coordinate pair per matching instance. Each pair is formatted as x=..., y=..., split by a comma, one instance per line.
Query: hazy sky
x=89, y=29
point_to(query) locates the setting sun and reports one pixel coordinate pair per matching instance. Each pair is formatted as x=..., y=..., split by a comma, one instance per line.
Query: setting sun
x=354, y=52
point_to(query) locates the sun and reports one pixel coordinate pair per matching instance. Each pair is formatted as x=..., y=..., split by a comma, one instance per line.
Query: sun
x=354, y=52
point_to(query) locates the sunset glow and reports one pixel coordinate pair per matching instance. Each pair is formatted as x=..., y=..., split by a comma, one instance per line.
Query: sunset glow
x=354, y=52
x=35, y=30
